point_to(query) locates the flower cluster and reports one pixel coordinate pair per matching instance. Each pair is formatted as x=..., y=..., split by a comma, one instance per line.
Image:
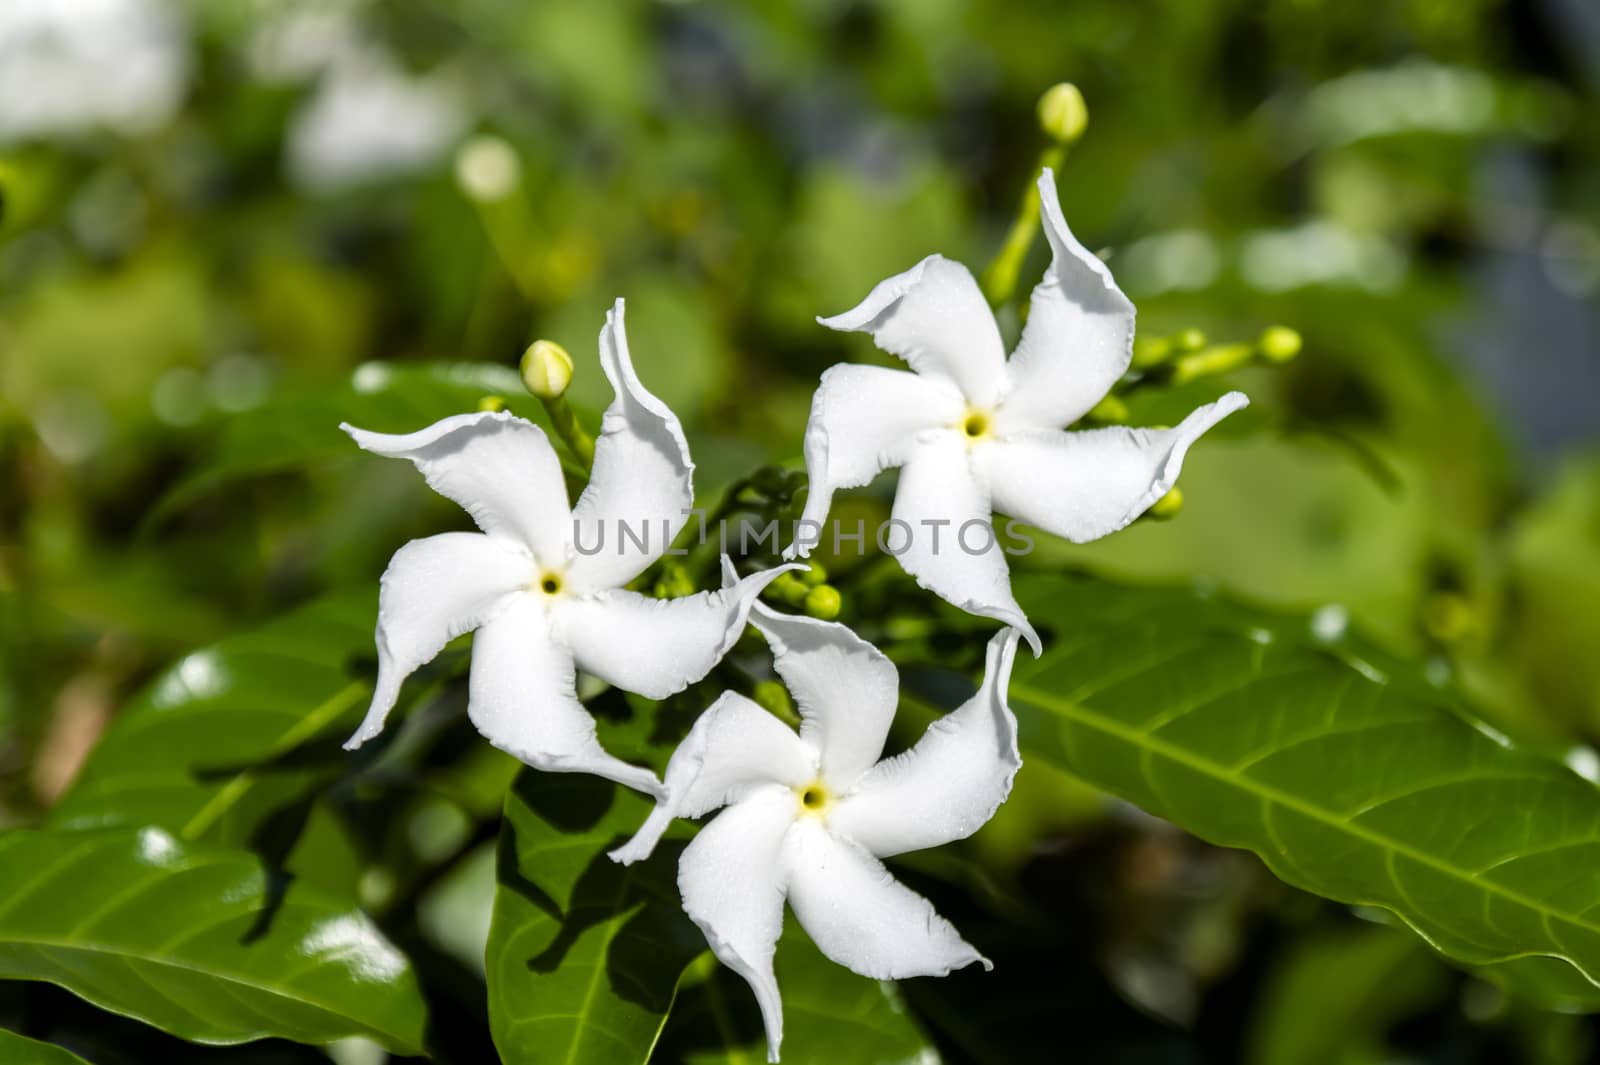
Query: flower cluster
x=805, y=818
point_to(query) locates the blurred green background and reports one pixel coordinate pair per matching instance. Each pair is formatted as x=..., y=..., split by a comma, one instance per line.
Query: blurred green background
x=215, y=211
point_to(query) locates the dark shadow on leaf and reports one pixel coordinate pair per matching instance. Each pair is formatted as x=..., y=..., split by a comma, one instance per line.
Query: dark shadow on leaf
x=510, y=875
x=610, y=705
x=570, y=802
x=272, y=841
x=646, y=955
x=677, y=713
x=275, y=888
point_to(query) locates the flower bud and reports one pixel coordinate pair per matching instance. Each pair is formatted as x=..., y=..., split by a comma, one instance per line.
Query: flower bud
x=1168, y=506
x=1150, y=351
x=1218, y=360
x=787, y=589
x=546, y=369
x=492, y=403
x=815, y=575
x=1279, y=343
x=487, y=169
x=823, y=602
x=1062, y=113
x=1189, y=340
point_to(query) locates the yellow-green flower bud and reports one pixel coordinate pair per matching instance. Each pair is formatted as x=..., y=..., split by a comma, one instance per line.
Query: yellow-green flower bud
x=1109, y=411
x=546, y=369
x=492, y=403
x=1150, y=351
x=823, y=602
x=815, y=575
x=1189, y=340
x=1062, y=113
x=1279, y=343
x=787, y=589
x=774, y=698
x=1168, y=506
x=1217, y=360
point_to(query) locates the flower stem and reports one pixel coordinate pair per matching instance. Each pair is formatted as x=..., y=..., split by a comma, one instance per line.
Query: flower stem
x=565, y=422
x=1000, y=279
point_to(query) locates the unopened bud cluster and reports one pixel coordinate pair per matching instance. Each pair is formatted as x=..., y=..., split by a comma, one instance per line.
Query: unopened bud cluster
x=808, y=591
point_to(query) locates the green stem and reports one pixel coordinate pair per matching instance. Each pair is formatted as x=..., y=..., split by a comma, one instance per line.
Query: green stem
x=565, y=422
x=1000, y=279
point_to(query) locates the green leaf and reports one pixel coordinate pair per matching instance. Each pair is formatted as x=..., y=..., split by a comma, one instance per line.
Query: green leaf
x=299, y=430
x=585, y=955
x=1348, y=776
x=831, y=1016
x=20, y=1050
x=202, y=944
x=218, y=744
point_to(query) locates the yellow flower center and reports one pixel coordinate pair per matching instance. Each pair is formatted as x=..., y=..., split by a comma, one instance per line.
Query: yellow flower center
x=814, y=798
x=550, y=583
x=975, y=426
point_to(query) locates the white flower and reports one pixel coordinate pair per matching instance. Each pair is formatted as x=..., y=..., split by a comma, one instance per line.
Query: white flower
x=70, y=66
x=370, y=121
x=808, y=817
x=974, y=432
x=541, y=608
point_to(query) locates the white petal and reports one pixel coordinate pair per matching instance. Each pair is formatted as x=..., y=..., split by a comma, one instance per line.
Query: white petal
x=498, y=467
x=859, y=915
x=934, y=316
x=948, y=785
x=734, y=746
x=1079, y=334
x=731, y=878
x=1084, y=485
x=434, y=590
x=864, y=420
x=845, y=688
x=642, y=475
x=521, y=696
x=657, y=647
x=944, y=526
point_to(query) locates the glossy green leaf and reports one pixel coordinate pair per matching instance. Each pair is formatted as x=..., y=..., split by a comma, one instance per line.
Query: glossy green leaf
x=831, y=1016
x=1349, y=777
x=204, y=944
x=585, y=955
x=20, y=1050
x=218, y=743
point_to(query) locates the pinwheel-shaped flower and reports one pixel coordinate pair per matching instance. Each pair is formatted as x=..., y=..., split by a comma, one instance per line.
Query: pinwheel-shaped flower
x=974, y=432
x=543, y=603
x=808, y=817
